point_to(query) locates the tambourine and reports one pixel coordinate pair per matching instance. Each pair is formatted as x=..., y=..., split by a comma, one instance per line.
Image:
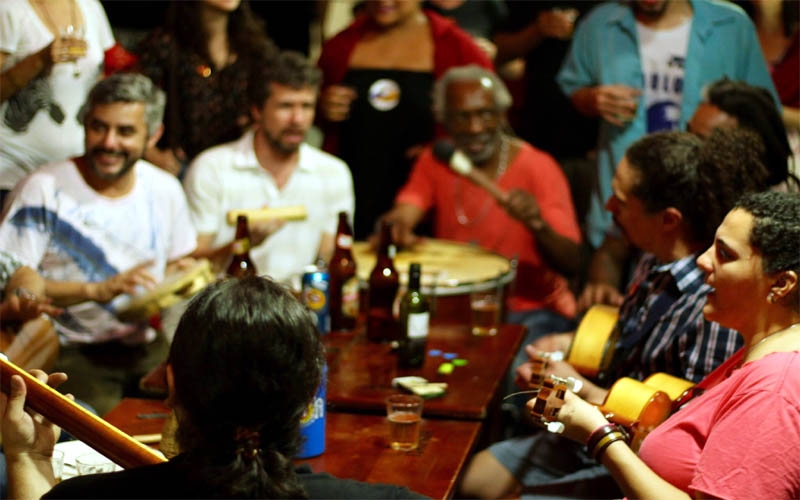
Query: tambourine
x=176, y=287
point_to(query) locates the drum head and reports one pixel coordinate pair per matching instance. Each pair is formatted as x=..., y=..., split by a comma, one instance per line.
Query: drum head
x=174, y=288
x=448, y=267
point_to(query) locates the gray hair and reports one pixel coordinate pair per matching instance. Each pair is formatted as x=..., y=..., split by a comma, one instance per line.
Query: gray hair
x=129, y=87
x=471, y=73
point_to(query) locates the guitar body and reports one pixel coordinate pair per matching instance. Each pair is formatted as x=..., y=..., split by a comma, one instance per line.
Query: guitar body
x=593, y=344
x=675, y=387
x=35, y=345
x=638, y=406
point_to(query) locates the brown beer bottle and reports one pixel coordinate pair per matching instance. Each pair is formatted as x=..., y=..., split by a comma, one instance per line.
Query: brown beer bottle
x=383, y=285
x=241, y=265
x=344, y=282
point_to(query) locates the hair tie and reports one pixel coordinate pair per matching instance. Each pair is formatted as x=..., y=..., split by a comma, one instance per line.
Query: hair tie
x=249, y=441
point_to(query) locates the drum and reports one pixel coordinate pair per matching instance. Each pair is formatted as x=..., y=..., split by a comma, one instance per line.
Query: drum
x=174, y=288
x=450, y=272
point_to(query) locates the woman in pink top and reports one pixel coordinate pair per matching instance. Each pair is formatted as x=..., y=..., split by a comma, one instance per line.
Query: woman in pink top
x=741, y=438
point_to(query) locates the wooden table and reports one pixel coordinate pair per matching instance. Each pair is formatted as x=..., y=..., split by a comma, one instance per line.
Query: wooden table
x=360, y=372
x=356, y=447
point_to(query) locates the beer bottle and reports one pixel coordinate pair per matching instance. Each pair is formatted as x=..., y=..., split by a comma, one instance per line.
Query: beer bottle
x=383, y=286
x=344, y=282
x=241, y=265
x=414, y=322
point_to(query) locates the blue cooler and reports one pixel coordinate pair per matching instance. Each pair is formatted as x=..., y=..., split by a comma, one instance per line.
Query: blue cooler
x=312, y=423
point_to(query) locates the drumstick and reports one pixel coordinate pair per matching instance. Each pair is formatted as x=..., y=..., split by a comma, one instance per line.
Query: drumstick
x=258, y=214
x=89, y=428
x=461, y=164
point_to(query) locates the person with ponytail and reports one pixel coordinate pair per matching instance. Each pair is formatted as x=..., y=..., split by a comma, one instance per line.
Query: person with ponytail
x=244, y=364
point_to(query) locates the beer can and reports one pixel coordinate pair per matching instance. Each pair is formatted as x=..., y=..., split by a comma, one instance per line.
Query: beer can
x=316, y=285
x=312, y=423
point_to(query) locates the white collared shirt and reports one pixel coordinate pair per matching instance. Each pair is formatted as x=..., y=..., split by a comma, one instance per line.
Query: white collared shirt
x=229, y=177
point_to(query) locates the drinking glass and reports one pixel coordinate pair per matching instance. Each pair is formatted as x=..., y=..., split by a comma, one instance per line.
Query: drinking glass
x=404, y=412
x=93, y=463
x=485, y=307
x=75, y=50
x=58, y=464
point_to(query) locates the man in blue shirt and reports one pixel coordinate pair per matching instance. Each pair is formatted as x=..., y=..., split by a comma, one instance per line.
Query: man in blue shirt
x=641, y=67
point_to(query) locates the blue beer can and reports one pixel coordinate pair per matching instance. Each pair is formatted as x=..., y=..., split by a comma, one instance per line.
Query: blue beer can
x=316, y=285
x=312, y=423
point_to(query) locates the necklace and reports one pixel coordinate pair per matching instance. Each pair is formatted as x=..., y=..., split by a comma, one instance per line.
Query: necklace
x=502, y=164
x=54, y=27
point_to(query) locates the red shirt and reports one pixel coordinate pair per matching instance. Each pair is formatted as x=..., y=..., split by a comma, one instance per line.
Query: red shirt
x=433, y=185
x=452, y=47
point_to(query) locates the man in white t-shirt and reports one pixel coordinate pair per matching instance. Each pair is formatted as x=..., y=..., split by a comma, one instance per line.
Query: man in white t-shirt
x=112, y=221
x=270, y=166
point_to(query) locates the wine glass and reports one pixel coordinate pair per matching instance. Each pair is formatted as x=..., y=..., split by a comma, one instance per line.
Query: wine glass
x=76, y=51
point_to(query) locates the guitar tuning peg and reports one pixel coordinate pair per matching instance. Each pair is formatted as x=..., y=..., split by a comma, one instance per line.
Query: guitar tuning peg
x=574, y=384
x=556, y=356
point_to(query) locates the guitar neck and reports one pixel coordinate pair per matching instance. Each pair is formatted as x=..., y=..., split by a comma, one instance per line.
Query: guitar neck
x=89, y=428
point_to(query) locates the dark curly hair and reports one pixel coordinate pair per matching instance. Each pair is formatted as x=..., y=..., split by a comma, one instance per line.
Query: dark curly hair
x=701, y=178
x=755, y=110
x=246, y=32
x=776, y=229
x=246, y=360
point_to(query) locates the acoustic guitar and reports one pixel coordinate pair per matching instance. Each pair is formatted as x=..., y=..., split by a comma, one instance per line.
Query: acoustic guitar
x=85, y=426
x=33, y=345
x=592, y=346
x=638, y=406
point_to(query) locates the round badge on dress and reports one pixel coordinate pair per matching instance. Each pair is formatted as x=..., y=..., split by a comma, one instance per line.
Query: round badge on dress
x=384, y=94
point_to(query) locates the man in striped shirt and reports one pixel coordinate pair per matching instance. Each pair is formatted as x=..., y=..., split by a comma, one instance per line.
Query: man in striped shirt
x=669, y=194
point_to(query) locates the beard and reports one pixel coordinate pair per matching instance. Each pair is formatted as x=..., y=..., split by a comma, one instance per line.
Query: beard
x=276, y=142
x=653, y=12
x=128, y=162
x=491, y=142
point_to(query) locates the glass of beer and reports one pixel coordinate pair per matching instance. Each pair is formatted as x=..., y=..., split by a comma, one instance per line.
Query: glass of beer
x=404, y=412
x=485, y=307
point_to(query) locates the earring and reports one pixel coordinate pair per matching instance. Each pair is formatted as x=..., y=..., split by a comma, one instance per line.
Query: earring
x=771, y=297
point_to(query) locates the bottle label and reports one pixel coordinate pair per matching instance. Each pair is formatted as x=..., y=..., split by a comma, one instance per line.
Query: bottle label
x=350, y=298
x=241, y=246
x=344, y=241
x=418, y=325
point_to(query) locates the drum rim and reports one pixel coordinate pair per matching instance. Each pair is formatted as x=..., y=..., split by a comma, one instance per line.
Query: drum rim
x=502, y=279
